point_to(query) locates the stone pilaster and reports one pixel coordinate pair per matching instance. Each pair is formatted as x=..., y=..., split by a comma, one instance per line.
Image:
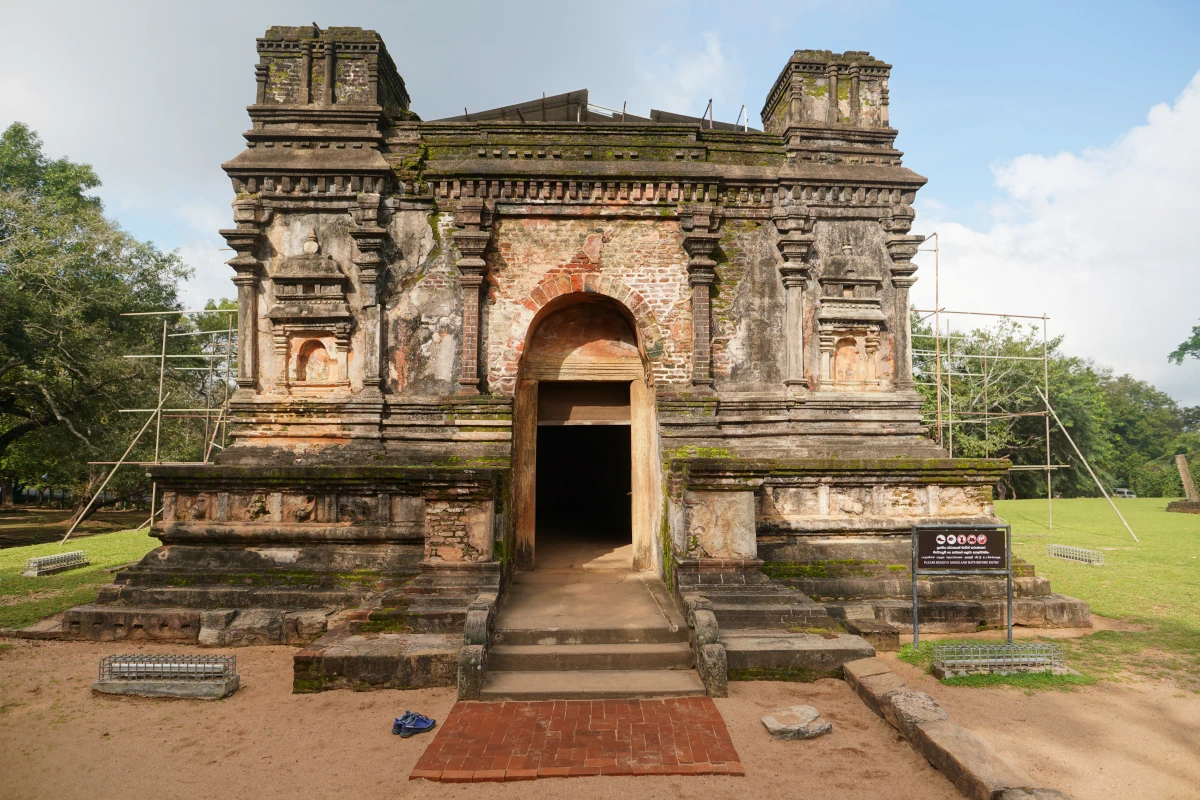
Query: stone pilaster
x=472, y=243
x=902, y=247
x=795, y=243
x=369, y=239
x=248, y=272
x=701, y=275
x=831, y=116
x=330, y=73
x=260, y=79
x=854, y=95
x=305, y=73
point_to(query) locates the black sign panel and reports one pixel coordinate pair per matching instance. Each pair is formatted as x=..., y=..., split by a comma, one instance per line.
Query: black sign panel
x=961, y=548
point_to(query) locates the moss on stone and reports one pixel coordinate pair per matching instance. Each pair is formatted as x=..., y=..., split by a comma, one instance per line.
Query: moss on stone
x=789, y=674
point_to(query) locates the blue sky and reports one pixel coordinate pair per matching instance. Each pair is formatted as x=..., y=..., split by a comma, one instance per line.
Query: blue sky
x=1021, y=114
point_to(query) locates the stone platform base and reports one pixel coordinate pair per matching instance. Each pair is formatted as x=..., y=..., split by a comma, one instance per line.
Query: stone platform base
x=781, y=655
x=967, y=616
x=217, y=628
x=1184, y=506
x=199, y=690
x=364, y=662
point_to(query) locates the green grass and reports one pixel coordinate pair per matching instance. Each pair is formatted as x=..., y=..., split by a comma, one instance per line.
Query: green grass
x=1030, y=682
x=1154, y=582
x=24, y=601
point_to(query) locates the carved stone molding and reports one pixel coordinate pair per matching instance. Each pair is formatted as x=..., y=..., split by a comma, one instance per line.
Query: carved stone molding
x=701, y=275
x=472, y=243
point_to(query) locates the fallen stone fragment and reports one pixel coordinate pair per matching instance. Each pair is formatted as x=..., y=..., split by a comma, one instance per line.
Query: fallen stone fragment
x=796, y=722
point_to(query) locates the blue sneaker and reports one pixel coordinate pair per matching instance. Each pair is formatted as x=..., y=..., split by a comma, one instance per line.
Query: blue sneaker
x=398, y=725
x=412, y=724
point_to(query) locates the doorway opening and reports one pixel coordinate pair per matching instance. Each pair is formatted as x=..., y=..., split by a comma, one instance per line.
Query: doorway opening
x=584, y=484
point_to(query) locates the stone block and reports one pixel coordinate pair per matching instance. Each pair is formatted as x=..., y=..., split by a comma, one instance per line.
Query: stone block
x=198, y=690
x=880, y=635
x=1067, y=612
x=472, y=667
x=302, y=627
x=721, y=524
x=968, y=761
x=904, y=709
x=1032, y=794
x=796, y=722
x=213, y=625
x=713, y=667
x=253, y=626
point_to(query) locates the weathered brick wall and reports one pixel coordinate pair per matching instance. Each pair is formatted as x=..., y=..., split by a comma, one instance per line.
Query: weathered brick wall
x=458, y=530
x=640, y=262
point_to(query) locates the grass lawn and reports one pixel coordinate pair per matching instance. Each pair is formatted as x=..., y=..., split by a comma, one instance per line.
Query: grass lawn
x=24, y=601
x=1155, y=582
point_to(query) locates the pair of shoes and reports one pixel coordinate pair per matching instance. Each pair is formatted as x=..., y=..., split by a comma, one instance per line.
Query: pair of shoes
x=411, y=724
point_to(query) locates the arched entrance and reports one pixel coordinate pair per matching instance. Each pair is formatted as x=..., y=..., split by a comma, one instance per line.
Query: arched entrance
x=583, y=450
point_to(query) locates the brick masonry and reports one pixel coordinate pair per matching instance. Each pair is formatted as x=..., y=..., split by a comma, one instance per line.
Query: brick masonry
x=517, y=741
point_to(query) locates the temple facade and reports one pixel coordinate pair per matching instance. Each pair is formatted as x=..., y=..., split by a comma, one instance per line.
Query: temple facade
x=467, y=345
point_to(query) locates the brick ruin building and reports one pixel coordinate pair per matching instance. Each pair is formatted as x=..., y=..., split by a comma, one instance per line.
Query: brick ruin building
x=468, y=345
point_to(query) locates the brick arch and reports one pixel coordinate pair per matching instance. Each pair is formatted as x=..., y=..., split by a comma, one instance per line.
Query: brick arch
x=504, y=371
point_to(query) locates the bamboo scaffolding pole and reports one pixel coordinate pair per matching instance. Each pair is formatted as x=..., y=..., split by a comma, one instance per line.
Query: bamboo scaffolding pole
x=1091, y=472
x=100, y=491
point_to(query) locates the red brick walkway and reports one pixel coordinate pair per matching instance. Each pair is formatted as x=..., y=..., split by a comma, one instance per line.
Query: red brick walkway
x=570, y=738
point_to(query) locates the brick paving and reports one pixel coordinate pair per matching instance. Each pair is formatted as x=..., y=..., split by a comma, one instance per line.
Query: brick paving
x=522, y=741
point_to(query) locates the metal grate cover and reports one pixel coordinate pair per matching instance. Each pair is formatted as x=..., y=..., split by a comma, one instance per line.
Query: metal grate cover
x=54, y=563
x=958, y=659
x=1075, y=554
x=173, y=668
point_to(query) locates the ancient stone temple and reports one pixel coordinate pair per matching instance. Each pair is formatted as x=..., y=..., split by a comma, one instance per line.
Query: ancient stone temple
x=552, y=391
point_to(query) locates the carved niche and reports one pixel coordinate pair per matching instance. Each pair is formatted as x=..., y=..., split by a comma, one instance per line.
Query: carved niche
x=311, y=322
x=849, y=322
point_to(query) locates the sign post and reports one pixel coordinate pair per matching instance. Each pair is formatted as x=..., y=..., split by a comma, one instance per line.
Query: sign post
x=961, y=550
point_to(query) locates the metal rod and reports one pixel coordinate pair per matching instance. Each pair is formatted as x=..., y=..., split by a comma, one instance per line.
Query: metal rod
x=1046, y=387
x=1089, y=467
x=114, y=472
x=937, y=326
x=978, y=313
x=181, y=311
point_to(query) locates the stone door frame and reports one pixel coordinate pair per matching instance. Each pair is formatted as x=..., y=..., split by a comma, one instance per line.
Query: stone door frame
x=645, y=466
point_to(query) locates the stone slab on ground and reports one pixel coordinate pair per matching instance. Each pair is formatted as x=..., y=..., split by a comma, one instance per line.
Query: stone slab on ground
x=517, y=741
x=969, y=762
x=49, y=628
x=882, y=636
x=197, y=690
x=796, y=722
x=769, y=650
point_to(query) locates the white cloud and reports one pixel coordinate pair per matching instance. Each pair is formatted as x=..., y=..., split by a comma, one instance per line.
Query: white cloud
x=212, y=277
x=683, y=82
x=1104, y=241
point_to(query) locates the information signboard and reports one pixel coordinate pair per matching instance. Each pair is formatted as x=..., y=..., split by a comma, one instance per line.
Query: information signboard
x=960, y=550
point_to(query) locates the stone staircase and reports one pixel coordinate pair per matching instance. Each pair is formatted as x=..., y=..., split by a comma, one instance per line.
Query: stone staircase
x=623, y=638
x=742, y=597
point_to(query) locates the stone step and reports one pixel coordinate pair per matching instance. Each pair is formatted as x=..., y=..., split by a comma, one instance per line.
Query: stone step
x=770, y=615
x=587, y=657
x=594, y=636
x=590, y=684
x=843, y=588
x=771, y=653
x=222, y=596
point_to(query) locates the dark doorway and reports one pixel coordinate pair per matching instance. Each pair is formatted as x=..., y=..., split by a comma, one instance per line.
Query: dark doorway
x=583, y=482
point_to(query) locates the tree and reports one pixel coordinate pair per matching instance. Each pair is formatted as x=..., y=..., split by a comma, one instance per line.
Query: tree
x=1189, y=347
x=66, y=275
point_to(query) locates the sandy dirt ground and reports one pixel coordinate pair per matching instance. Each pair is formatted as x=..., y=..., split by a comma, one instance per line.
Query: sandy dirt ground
x=1112, y=740
x=59, y=740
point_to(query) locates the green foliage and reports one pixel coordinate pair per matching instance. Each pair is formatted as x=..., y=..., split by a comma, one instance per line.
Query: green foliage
x=67, y=274
x=1128, y=430
x=1188, y=347
x=24, y=601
